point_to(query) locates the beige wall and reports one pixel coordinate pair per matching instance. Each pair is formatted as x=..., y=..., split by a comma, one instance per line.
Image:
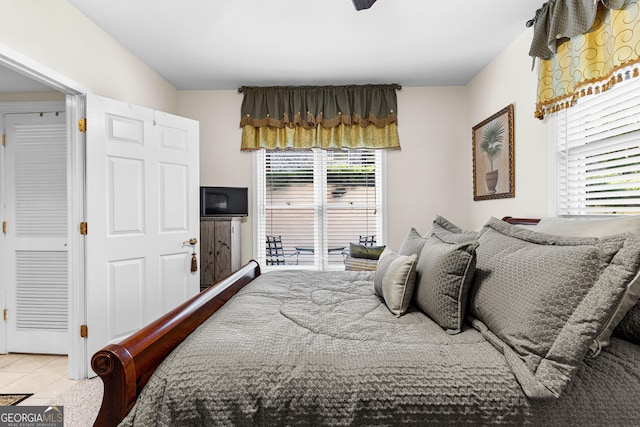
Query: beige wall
x=56, y=35
x=424, y=178
x=221, y=161
x=508, y=79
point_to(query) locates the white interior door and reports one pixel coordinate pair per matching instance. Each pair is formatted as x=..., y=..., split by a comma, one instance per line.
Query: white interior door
x=142, y=190
x=36, y=239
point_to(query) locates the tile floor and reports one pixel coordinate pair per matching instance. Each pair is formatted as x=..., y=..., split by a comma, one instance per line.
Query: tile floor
x=43, y=375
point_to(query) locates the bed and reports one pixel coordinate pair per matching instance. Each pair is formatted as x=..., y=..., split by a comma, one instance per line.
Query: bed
x=322, y=348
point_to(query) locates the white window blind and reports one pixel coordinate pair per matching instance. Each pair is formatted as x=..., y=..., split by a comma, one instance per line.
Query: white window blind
x=598, y=153
x=317, y=202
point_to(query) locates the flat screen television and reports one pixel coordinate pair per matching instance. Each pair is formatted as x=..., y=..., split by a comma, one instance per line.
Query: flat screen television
x=223, y=201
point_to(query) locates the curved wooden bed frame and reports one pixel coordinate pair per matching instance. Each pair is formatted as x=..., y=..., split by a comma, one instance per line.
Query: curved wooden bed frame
x=126, y=367
x=521, y=221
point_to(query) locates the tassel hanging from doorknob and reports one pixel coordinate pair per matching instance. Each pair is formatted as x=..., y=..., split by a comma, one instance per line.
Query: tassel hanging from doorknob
x=194, y=263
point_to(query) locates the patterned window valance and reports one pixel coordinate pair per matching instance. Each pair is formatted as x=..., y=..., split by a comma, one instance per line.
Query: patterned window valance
x=559, y=20
x=328, y=117
x=588, y=62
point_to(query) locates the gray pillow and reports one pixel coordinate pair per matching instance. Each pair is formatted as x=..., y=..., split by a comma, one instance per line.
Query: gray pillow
x=444, y=273
x=450, y=232
x=395, y=279
x=412, y=243
x=589, y=227
x=624, y=312
x=602, y=227
x=543, y=299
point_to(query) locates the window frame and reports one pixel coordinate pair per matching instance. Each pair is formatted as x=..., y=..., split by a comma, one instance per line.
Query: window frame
x=258, y=243
x=555, y=125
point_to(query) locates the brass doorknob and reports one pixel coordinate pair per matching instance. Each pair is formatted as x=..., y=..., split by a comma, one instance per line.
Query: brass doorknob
x=192, y=241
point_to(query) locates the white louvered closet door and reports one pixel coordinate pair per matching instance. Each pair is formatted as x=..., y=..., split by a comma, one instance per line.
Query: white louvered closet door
x=36, y=241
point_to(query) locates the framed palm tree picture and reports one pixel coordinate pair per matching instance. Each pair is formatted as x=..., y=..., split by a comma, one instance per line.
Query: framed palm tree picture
x=493, y=157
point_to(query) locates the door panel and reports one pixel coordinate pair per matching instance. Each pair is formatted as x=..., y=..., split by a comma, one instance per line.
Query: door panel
x=142, y=205
x=174, y=198
x=173, y=280
x=127, y=287
x=125, y=196
x=37, y=264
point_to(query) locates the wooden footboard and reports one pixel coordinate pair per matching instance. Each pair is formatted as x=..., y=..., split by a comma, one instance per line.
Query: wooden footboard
x=126, y=367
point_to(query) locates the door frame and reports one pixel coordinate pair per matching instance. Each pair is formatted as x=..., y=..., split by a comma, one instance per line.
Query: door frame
x=75, y=109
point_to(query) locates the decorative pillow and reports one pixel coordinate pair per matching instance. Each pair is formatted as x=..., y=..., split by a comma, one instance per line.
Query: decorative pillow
x=625, y=308
x=360, y=264
x=543, y=299
x=367, y=252
x=412, y=243
x=589, y=227
x=602, y=227
x=451, y=232
x=395, y=279
x=444, y=273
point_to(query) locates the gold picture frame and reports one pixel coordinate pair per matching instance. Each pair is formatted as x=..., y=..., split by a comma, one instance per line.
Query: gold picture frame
x=493, y=157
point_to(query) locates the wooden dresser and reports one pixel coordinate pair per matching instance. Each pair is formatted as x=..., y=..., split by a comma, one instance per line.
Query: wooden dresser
x=219, y=248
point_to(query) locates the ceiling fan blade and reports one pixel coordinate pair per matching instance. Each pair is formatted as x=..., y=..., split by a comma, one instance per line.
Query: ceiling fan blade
x=363, y=4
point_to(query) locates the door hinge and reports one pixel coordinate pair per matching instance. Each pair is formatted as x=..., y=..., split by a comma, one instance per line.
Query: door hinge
x=4, y=139
x=4, y=227
x=4, y=314
x=84, y=331
x=83, y=228
x=82, y=125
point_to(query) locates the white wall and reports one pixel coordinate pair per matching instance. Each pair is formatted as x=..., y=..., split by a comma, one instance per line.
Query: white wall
x=424, y=178
x=56, y=35
x=508, y=79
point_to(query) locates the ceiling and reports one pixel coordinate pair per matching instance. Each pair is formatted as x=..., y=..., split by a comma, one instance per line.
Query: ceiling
x=224, y=44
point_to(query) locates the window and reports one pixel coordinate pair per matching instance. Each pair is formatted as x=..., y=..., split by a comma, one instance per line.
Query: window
x=316, y=202
x=598, y=153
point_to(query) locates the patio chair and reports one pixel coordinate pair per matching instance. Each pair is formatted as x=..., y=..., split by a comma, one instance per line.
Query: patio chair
x=368, y=240
x=275, y=252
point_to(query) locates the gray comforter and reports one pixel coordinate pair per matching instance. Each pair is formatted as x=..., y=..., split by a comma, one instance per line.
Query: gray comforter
x=309, y=348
